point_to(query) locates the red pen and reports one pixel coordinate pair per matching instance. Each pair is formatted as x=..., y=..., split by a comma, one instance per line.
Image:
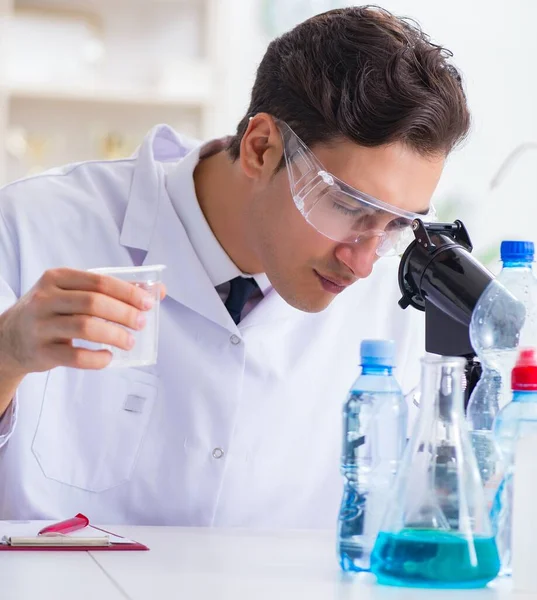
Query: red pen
x=63, y=527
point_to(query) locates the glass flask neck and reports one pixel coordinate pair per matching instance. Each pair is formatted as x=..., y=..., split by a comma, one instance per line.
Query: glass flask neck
x=442, y=390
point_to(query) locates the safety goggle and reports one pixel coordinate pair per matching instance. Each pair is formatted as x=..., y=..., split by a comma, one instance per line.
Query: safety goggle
x=339, y=211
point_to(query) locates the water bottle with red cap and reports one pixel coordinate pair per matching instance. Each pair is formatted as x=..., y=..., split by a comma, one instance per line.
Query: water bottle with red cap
x=504, y=320
x=515, y=420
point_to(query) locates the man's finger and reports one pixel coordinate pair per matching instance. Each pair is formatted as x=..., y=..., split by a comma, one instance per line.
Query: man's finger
x=97, y=305
x=73, y=279
x=91, y=329
x=65, y=355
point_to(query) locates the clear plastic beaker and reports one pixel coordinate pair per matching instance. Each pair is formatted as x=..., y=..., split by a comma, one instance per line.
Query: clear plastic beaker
x=145, y=349
x=436, y=532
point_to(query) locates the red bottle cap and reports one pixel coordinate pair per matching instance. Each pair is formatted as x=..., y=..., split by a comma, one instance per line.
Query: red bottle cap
x=524, y=375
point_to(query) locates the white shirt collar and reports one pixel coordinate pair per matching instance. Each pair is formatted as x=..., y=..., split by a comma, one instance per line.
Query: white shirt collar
x=179, y=181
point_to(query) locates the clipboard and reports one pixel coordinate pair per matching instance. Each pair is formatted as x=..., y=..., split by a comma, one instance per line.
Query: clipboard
x=72, y=534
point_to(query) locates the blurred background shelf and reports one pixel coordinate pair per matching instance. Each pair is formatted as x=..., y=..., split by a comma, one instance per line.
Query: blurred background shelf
x=86, y=79
x=187, y=97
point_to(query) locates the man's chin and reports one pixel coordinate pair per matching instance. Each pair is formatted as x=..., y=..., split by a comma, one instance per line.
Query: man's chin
x=310, y=304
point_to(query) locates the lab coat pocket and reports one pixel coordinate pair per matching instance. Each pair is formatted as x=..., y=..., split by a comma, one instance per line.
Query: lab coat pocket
x=92, y=424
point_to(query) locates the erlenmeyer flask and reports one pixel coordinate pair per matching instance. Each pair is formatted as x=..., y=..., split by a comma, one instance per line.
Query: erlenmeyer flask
x=436, y=531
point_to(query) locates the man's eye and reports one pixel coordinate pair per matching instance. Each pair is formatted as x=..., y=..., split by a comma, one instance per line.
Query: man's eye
x=347, y=206
x=346, y=209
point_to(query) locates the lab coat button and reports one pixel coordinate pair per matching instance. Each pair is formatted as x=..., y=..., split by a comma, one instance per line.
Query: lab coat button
x=235, y=339
x=218, y=453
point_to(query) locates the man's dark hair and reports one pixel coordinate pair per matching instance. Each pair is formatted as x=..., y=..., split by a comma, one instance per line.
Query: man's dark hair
x=362, y=74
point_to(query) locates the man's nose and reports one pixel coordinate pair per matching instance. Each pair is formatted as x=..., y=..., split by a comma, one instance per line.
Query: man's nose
x=360, y=256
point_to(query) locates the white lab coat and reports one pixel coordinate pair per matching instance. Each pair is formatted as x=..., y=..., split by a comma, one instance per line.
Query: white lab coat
x=239, y=426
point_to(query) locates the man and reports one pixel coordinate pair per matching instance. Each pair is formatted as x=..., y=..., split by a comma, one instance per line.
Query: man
x=351, y=118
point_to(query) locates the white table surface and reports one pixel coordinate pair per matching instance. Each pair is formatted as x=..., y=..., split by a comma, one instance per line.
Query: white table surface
x=54, y=575
x=207, y=564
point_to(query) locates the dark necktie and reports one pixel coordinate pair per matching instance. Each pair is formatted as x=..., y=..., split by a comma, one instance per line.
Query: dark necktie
x=241, y=291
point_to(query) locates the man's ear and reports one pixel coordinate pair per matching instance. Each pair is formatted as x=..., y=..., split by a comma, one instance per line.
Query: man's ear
x=261, y=147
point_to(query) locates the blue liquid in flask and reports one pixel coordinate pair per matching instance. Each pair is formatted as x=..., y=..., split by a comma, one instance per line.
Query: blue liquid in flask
x=434, y=559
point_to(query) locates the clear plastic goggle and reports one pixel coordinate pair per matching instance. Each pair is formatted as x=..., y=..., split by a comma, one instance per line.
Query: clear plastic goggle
x=339, y=211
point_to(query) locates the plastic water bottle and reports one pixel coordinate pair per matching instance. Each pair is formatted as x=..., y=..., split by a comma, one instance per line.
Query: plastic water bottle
x=515, y=420
x=374, y=435
x=505, y=318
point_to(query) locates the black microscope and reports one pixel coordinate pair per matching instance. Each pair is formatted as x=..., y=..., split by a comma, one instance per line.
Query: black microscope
x=438, y=275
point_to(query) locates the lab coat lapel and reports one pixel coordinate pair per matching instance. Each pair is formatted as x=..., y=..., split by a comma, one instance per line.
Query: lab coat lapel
x=151, y=224
x=186, y=280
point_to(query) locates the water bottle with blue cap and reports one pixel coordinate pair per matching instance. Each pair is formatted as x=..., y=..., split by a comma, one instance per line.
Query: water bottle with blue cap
x=504, y=319
x=374, y=437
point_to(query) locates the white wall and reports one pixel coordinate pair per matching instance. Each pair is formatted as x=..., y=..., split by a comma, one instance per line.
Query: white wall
x=495, y=45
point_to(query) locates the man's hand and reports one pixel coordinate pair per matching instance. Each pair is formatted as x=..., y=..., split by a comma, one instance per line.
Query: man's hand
x=36, y=333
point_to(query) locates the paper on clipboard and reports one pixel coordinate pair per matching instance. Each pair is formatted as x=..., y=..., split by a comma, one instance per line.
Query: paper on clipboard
x=25, y=533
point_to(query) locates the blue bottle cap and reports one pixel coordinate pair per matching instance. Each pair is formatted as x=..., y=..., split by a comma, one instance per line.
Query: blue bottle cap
x=517, y=251
x=378, y=353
